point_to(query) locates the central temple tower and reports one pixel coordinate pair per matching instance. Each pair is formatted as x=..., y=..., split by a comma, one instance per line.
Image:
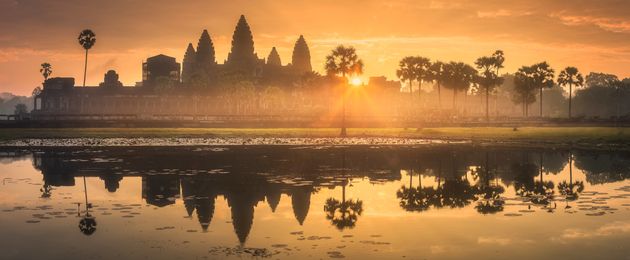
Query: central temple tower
x=242, y=57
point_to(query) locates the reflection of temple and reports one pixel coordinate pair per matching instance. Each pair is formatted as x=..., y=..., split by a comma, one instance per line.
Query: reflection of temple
x=167, y=86
x=464, y=175
x=160, y=190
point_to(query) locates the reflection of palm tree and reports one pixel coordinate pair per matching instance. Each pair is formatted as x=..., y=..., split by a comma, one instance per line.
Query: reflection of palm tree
x=571, y=189
x=46, y=190
x=456, y=192
x=491, y=201
x=87, y=225
x=415, y=199
x=543, y=190
x=524, y=180
x=345, y=213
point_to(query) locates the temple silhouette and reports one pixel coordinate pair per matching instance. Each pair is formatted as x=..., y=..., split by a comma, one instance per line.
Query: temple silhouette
x=171, y=88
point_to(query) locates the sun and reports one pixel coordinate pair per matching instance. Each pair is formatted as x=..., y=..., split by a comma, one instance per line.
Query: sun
x=356, y=81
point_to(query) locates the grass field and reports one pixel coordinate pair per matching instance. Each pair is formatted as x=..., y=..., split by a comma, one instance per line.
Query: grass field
x=524, y=134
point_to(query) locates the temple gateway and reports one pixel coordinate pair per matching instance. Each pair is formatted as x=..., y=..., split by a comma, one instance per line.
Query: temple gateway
x=171, y=88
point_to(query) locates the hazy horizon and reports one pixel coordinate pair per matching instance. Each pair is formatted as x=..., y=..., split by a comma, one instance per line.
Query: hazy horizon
x=590, y=35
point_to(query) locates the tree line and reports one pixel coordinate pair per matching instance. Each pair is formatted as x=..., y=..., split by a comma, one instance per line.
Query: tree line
x=484, y=78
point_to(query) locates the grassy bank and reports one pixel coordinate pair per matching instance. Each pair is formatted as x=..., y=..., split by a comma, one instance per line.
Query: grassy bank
x=525, y=134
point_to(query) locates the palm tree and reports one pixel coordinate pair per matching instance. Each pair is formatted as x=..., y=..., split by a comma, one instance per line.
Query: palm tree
x=542, y=78
x=458, y=76
x=489, y=75
x=524, y=87
x=499, y=58
x=87, y=38
x=422, y=71
x=407, y=71
x=46, y=70
x=572, y=77
x=36, y=91
x=343, y=61
x=437, y=74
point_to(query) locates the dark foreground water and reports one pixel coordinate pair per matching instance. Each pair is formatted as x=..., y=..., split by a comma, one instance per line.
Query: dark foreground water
x=290, y=202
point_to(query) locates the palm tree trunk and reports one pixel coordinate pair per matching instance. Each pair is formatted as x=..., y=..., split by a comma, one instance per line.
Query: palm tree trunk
x=487, y=172
x=454, y=97
x=87, y=209
x=571, y=171
x=85, y=67
x=343, y=110
x=541, y=100
x=487, y=105
x=570, y=96
x=419, y=91
x=480, y=101
x=541, y=167
x=526, y=110
x=439, y=95
x=410, y=97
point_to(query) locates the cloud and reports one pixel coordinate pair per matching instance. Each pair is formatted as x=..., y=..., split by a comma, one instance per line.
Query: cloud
x=616, y=25
x=610, y=229
x=494, y=241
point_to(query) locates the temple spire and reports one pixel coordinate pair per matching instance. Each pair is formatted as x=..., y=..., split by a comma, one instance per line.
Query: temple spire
x=242, y=56
x=301, y=59
x=205, y=51
x=190, y=59
x=274, y=58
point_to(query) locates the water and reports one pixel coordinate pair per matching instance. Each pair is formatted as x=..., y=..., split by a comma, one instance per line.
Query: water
x=293, y=202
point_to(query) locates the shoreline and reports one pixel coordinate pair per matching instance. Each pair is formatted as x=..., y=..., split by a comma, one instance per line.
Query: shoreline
x=608, y=138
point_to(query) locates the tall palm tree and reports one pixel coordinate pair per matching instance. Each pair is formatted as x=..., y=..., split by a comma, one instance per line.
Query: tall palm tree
x=36, y=91
x=499, y=59
x=524, y=87
x=422, y=71
x=45, y=70
x=489, y=75
x=407, y=71
x=87, y=38
x=458, y=76
x=542, y=78
x=572, y=77
x=437, y=74
x=343, y=61
x=486, y=78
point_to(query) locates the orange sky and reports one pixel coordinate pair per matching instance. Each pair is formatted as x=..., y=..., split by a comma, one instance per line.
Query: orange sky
x=592, y=35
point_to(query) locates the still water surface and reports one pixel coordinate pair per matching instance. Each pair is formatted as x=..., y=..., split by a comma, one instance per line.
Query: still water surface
x=292, y=202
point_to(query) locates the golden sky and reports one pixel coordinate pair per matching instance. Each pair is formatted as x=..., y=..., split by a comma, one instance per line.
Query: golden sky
x=591, y=35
